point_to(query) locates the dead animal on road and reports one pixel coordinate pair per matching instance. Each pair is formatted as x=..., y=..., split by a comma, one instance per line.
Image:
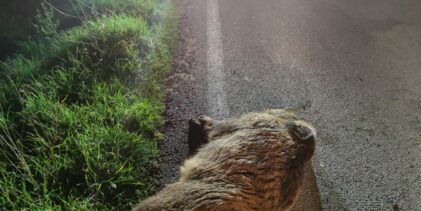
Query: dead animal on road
x=251, y=162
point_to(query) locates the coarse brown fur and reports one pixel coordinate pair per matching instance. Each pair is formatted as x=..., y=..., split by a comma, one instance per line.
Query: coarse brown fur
x=251, y=162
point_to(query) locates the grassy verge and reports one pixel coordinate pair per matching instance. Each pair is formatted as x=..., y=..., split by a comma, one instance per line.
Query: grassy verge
x=80, y=109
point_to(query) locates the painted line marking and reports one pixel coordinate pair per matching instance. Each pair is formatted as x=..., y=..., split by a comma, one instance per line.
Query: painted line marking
x=217, y=106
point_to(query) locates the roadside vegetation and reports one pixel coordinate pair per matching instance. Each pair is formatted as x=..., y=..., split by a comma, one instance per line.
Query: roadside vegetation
x=81, y=106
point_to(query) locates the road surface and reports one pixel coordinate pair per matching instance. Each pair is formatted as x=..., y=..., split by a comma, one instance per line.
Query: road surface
x=353, y=68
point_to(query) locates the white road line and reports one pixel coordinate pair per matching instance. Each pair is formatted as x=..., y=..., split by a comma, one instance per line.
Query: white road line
x=217, y=106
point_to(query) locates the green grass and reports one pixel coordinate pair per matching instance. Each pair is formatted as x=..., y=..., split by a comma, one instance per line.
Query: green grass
x=68, y=13
x=81, y=111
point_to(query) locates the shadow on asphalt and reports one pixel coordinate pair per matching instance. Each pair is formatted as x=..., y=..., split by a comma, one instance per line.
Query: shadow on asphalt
x=309, y=198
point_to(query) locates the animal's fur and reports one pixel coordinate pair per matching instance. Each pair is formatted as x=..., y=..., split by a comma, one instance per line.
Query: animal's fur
x=251, y=162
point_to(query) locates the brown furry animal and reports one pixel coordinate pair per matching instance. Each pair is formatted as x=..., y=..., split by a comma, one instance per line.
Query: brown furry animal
x=251, y=162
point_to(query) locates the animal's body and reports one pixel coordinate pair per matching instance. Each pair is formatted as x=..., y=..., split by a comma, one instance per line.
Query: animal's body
x=251, y=162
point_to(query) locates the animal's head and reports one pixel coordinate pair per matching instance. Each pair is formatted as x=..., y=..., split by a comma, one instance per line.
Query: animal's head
x=299, y=136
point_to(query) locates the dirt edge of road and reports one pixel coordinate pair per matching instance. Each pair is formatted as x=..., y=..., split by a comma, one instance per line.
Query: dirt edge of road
x=185, y=99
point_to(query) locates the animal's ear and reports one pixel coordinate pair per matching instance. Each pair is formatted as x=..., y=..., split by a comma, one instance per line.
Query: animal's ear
x=198, y=132
x=302, y=130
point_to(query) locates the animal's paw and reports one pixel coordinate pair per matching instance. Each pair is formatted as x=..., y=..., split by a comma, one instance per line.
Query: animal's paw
x=198, y=132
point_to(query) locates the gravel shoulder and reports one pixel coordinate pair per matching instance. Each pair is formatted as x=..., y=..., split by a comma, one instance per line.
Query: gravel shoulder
x=186, y=95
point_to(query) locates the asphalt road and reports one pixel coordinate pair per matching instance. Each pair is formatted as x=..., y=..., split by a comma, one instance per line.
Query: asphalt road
x=351, y=67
